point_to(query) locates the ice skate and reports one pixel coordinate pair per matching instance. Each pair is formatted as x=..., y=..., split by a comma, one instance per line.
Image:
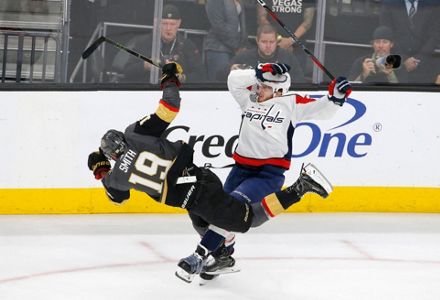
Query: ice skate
x=311, y=180
x=190, y=266
x=218, y=263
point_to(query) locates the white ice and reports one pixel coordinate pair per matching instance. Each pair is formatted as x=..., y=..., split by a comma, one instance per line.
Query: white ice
x=295, y=256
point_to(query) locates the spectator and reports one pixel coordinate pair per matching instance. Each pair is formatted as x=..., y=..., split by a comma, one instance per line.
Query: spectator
x=226, y=37
x=416, y=27
x=174, y=48
x=371, y=68
x=296, y=15
x=267, y=51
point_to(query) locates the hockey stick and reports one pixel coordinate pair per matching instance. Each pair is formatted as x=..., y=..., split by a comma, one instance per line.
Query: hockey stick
x=293, y=36
x=103, y=39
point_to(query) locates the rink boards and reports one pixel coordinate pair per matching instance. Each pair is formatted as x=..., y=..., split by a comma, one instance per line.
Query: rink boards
x=380, y=151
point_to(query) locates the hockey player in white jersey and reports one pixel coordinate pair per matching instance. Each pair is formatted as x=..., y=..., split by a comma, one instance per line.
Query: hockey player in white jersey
x=264, y=149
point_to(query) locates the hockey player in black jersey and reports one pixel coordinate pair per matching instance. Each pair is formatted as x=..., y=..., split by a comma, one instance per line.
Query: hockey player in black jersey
x=147, y=162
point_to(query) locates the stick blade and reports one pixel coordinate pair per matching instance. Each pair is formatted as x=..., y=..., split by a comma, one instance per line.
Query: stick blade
x=93, y=47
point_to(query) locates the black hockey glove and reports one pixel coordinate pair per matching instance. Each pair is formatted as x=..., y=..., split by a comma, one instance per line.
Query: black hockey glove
x=272, y=68
x=338, y=90
x=171, y=72
x=98, y=164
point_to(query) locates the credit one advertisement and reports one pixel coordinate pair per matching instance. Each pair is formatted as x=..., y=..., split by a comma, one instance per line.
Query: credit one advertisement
x=376, y=139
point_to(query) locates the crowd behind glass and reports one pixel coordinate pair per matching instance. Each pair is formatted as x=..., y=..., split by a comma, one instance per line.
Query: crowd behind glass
x=209, y=38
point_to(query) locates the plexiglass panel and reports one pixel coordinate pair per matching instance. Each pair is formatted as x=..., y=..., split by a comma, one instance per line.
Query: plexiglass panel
x=364, y=40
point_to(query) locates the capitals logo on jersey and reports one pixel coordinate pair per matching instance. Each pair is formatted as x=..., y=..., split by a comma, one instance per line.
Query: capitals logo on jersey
x=266, y=116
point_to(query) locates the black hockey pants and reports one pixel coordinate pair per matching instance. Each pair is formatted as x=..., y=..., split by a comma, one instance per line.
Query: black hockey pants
x=214, y=206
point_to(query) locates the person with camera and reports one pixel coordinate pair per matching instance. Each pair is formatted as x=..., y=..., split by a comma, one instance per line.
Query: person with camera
x=415, y=24
x=381, y=66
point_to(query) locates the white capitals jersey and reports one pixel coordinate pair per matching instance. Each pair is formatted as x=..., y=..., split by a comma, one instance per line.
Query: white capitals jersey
x=267, y=128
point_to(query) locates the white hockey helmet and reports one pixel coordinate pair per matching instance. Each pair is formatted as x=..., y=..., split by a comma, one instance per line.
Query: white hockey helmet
x=277, y=82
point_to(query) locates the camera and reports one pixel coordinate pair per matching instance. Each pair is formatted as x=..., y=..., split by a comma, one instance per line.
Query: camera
x=391, y=61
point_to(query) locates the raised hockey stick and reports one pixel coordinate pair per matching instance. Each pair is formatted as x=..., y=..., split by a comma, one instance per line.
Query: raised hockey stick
x=103, y=39
x=298, y=41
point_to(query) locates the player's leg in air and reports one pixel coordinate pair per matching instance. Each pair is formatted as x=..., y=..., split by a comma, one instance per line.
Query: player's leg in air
x=246, y=184
x=310, y=180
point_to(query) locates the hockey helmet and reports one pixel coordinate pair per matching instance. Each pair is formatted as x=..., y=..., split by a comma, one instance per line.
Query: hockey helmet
x=113, y=144
x=277, y=82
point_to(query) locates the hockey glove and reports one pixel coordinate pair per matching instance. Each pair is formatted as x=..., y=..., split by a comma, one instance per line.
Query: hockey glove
x=272, y=68
x=171, y=72
x=338, y=90
x=98, y=164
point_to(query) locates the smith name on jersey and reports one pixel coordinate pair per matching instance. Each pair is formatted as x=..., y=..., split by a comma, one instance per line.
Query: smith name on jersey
x=151, y=164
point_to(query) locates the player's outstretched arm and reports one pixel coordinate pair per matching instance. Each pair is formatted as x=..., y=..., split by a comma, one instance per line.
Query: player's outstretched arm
x=325, y=107
x=155, y=124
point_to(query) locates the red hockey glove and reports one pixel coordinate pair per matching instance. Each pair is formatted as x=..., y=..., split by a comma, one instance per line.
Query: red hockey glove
x=338, y=90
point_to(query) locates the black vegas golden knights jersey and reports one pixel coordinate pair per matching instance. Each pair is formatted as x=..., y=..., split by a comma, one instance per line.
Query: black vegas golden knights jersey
x=145, y=166
x=151, y=164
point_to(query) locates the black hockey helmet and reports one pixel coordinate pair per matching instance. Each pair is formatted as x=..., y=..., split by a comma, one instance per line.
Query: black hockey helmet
x=113, y=144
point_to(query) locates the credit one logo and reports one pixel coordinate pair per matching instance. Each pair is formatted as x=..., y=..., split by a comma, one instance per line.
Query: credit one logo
x=212, y=146
x=354, y=145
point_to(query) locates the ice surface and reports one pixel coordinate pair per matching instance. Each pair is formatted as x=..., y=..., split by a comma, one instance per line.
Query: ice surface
x=295, y=256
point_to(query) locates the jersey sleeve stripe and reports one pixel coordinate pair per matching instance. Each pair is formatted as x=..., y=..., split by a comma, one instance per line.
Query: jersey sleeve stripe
x=304, y=100
x=165, y=113
x=168, y=106
x=279, y=162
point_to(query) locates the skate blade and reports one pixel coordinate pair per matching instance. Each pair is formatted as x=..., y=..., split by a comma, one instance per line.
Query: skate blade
x=203, y=281
x=224, y=271
x=206, y=281
x=185, y=276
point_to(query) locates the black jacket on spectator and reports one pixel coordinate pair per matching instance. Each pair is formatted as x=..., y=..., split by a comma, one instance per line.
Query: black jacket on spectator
x=251, y=58
x=417, y=38
x=183, y=51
